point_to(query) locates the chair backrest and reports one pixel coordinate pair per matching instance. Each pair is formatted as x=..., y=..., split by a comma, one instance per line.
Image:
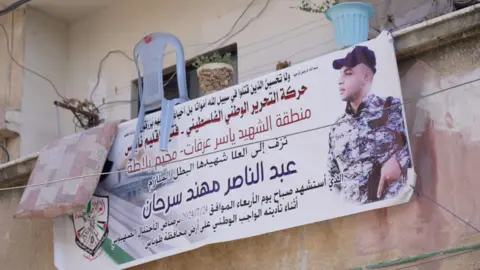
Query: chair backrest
x=150, y=52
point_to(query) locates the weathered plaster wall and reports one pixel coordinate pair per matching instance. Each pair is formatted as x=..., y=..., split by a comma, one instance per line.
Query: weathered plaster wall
x=25, y=244
x=4, y=59
x=40, y=43
x=46, y=51
x=11, y=75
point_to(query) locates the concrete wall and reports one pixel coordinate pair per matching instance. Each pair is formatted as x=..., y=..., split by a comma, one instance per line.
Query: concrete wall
x=46, y=52
x=121, y=26
x=40, y=43
x=11, y=75
x=26, y=244
x=5, y=64
x=5, y=61
x=406, y=12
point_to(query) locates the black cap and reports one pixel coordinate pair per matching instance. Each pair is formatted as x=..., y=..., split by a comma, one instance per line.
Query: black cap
x=359, y=55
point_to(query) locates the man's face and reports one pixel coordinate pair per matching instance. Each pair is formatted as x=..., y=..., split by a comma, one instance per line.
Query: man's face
x=351, y=83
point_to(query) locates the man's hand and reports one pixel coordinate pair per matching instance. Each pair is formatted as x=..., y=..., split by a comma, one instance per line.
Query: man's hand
x=390, y=172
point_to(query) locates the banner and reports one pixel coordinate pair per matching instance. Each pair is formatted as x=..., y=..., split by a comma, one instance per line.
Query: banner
x=319, y=140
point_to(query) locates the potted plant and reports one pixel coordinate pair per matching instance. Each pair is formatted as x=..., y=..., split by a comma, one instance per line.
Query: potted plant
x=282, y=64
x=350, y=19
x=215, y=71
x=309, y=6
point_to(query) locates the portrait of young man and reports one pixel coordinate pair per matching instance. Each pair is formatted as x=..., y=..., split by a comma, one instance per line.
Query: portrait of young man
x=368, y=153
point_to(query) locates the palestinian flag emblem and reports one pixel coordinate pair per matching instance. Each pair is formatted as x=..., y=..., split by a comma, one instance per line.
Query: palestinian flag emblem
x=91, y=225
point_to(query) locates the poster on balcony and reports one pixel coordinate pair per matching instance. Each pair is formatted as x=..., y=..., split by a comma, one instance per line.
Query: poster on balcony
x=319, y=140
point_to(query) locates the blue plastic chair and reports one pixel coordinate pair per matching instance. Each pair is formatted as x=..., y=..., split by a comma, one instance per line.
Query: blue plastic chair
x=150, y=51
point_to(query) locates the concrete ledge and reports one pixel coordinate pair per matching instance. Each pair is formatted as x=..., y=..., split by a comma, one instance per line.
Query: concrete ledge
x=437, y=32
x=9, y=123
x=17, y=172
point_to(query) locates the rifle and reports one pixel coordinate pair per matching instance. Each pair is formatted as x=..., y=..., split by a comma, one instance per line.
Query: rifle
x=375, y=174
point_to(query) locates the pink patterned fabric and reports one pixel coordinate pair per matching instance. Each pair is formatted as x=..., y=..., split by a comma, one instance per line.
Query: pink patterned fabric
x=79, y=154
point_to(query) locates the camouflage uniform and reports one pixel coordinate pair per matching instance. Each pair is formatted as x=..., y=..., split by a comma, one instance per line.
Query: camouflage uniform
x=355, y=143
